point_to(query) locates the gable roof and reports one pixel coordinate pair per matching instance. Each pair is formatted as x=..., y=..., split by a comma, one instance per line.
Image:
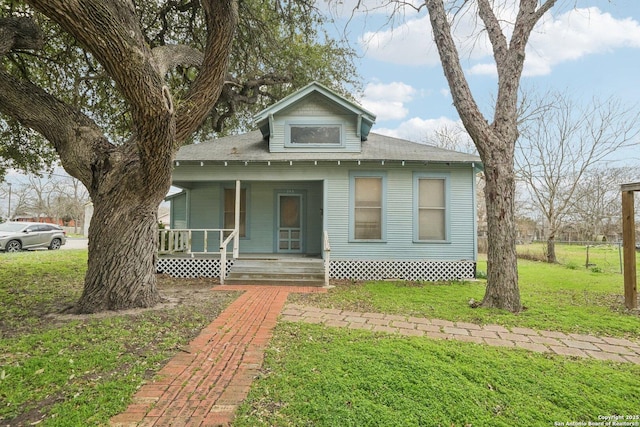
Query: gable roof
x=251, y=147
x=366, y=118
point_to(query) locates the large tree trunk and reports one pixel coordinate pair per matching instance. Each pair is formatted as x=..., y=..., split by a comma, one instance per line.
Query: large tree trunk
x=122, y=261
x=502, y=267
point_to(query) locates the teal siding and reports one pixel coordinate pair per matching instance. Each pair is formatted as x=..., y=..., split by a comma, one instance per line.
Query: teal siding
x=204, y=212
x=179, y=211
x=333, y=208
x=315, y=108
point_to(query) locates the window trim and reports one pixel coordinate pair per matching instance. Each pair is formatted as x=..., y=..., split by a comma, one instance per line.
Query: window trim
x=446, y=177
x=352, y=205
x=288, y=124
x=247, y=207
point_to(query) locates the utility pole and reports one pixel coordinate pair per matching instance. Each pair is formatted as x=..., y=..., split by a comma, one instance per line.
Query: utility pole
x=9, y=209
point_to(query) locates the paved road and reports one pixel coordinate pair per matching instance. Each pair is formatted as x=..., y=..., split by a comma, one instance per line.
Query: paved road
x=75, y=243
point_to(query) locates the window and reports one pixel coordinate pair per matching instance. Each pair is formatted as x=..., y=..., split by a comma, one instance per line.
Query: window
x=309, y=134
x=230, y=208
x=368, y=207
x=431, y=208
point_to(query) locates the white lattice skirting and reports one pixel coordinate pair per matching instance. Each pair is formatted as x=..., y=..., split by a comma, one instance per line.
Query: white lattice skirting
x=356, y=270
x=191, y=267
x=404, y=270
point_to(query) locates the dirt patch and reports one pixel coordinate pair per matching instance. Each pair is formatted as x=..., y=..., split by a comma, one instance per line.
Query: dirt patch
x=175, y=292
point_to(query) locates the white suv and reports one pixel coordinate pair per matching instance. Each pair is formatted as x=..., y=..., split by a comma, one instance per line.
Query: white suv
x=15, y=236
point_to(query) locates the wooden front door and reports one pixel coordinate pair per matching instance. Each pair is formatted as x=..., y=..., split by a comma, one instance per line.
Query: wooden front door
x=289, y=223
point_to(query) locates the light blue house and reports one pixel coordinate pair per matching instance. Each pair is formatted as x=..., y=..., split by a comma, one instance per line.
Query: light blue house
x=315, y=182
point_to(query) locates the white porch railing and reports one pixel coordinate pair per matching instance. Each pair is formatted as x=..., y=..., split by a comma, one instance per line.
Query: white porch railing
x=326, y=256
x=182, y=241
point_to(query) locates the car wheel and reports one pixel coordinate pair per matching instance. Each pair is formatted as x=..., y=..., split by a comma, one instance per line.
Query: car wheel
x=55, y=244
x=13, y=246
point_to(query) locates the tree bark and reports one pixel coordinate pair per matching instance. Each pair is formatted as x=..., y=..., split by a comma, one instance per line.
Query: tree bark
x=502, y=267
x=121, y=268
x=551, y=249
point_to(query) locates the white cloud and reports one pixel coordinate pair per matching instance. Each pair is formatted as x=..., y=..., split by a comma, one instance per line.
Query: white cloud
x=576, y=34
x=556, y=39
x=419, y=130
x=408, y=44
x=386, y=100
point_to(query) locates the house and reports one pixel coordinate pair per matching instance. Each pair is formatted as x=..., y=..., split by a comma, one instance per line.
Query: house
x=29, y=217
x=313, y=181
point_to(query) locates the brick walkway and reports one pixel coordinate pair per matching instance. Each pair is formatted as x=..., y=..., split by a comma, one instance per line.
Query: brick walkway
x=203, y=385
x=588, y=346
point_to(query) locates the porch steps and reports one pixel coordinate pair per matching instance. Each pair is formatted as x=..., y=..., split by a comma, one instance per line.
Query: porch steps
x=281, y=272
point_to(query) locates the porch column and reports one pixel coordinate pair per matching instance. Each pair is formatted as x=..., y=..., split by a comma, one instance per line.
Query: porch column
x=236, y=239
x=629, y=242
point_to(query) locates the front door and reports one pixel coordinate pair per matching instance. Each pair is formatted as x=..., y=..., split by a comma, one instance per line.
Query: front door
x=289, y=223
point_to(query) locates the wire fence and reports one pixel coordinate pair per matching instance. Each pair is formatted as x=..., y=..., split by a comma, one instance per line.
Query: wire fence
x=592, y=255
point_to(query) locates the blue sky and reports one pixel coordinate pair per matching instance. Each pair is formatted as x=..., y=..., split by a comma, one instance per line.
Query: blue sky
x=584, y=47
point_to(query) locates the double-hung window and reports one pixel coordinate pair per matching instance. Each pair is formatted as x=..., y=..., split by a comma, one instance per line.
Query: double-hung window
x=367, y=207
x=431, y=211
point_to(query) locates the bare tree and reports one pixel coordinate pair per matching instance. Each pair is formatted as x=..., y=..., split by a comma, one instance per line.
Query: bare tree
x=451, y=137
x=494, y=138
x=560, y=144
x=596, y=209
x=42, y=196
x=19, y=199
x=72, y=200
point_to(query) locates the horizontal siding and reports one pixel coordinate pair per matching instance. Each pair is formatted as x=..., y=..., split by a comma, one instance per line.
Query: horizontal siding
x=314, y=109
x=399, y=245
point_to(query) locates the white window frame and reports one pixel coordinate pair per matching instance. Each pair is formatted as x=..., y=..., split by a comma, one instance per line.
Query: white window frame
x=313, y=123
x=446, y=178
x=352, y=205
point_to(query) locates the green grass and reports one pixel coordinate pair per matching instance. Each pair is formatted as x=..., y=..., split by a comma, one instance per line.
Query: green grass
x=555, y=298
x=33, y=284
x=78, y=370
x=602, y=257
x=316, y=376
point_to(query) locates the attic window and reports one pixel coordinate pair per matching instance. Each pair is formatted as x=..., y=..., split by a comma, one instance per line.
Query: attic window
x=314, y=134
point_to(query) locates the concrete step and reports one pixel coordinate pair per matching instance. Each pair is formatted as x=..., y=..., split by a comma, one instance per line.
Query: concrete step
x=278, y=282
x=282, y=272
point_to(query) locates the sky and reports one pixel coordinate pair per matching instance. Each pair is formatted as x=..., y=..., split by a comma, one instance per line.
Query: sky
x=586, y=48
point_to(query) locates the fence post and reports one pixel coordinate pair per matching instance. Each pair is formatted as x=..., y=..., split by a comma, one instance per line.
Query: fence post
x=586, y=263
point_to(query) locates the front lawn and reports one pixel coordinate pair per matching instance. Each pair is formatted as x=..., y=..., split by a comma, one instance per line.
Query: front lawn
x=318, y=376
x=58, y=370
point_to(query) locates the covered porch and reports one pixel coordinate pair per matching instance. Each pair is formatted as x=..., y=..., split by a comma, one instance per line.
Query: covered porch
x=215, y=224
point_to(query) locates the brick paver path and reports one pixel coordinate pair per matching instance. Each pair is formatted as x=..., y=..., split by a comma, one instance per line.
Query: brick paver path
x=203, y=385
x=588, y=346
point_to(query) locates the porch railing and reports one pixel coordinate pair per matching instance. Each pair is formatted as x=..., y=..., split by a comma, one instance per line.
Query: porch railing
x=326, y=255
x=223, y=254
x=181, y=241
